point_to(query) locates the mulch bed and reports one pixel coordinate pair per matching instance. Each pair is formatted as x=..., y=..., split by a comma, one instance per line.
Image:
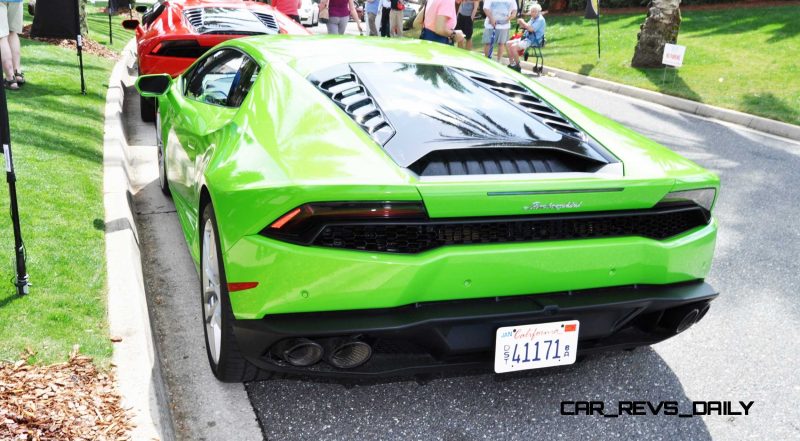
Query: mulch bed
x=66, y=401
x=89, y=46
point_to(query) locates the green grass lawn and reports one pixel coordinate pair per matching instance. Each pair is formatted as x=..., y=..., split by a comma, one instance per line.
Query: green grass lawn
x=742, y=59
x=57, y=141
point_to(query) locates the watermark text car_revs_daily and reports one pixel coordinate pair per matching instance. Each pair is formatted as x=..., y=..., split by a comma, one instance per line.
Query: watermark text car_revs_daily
x=654, y=408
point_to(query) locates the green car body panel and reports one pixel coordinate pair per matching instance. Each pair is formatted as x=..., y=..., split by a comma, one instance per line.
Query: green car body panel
x=288, y=145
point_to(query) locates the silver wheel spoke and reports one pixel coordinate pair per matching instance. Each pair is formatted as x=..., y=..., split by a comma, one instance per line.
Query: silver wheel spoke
x=212, y=310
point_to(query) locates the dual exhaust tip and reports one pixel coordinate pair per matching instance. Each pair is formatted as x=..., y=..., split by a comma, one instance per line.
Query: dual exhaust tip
x=339, y=352
x=682, y=318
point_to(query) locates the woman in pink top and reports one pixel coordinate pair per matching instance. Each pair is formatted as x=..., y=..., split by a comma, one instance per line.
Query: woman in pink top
x=439, y=22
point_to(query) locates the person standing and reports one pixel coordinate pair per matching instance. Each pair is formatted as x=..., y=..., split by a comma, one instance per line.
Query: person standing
x=396, y=18
x=532, y=37
x=10, y=27
x=439, y=22
x=465, y=21
x=373, y=6
x=386, y=7
x=498, y=23
x=288, y=8
x=339, y=13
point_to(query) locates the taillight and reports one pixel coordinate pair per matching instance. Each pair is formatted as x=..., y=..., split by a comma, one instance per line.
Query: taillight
x=303, y=223
x=179, y=49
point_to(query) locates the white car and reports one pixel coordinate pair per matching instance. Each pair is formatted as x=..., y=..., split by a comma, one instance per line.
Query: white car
x=309, y=13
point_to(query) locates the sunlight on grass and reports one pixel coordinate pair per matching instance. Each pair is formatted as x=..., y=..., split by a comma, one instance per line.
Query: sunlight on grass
x=57, y=137
x=742, y=59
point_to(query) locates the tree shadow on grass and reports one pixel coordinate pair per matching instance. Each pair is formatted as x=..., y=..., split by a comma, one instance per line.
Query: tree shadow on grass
x=670, y=83
x=770, y=105
x=586, y=69
x=738, y=22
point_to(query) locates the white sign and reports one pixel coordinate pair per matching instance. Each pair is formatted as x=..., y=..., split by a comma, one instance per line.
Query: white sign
x=673, y=55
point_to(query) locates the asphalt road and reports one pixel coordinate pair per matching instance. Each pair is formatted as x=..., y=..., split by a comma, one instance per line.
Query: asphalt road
x=746, y=349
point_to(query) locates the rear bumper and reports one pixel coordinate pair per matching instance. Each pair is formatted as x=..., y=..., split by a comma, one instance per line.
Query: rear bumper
x=441, y=336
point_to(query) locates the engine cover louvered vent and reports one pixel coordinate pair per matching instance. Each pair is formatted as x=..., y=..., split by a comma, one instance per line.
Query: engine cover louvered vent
x=194, y=16
x=349, y=94
x=477, y=161
x=532, y=104
x=268, y=20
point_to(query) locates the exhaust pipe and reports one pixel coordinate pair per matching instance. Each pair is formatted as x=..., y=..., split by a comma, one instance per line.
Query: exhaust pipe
x=682, y=318
x=299, y=352
x=346, y=353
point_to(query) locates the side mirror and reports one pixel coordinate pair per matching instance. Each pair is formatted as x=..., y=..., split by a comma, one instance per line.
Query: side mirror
x=141, y=9
x=131, y=24
x=152, y=86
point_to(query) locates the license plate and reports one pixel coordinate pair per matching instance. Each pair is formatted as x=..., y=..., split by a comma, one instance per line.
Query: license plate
x=519, y=348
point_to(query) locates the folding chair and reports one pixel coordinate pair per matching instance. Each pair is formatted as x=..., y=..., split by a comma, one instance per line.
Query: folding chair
x=537, y=53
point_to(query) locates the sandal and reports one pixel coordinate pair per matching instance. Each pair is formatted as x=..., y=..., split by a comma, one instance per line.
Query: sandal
x=20, y=77
x=11, y=84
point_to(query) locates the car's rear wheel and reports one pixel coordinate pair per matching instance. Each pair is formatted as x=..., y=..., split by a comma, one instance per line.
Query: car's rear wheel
x=224, y=356
x=147, y=109
x=162, y=160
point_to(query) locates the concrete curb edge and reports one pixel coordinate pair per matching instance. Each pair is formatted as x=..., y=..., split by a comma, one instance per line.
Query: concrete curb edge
x=138, y=368
x=765, y=125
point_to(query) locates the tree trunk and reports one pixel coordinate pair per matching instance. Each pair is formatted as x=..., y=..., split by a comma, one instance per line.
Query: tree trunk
x=660, y=27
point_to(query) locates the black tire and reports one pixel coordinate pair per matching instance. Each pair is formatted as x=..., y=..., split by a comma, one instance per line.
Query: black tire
x=231, y=366
x=147, y=109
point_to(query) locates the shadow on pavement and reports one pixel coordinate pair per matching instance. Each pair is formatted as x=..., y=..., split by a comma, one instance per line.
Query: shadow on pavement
x=518, y=406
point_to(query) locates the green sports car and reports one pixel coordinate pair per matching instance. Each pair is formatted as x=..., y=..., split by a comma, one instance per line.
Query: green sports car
x=373, y=207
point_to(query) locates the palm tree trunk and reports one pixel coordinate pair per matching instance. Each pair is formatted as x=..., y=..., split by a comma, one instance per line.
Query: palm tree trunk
x=660, y=27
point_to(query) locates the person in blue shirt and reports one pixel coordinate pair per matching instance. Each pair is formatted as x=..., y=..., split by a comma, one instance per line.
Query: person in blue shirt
x=372, y=11
x=533, y=36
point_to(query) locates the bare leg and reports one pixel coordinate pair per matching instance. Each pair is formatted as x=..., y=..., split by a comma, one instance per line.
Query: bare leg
x=8, y=64
x=469, y=44
x=13, y=42
x=486, y=50
x=500, y=48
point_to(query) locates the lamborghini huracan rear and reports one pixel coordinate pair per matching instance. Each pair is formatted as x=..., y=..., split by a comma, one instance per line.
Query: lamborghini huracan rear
x=382, y=207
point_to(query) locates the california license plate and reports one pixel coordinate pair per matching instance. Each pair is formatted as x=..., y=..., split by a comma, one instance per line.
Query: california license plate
x=519, y=348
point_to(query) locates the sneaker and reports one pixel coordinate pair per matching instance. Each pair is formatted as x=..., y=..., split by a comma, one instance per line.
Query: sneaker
x=515, y=67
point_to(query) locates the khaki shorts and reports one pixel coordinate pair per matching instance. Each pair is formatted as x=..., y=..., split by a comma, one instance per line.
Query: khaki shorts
x=10, y=18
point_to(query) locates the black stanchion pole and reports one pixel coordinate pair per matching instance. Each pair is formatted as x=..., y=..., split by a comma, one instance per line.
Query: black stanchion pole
x=110, y=32
x=21, y=280
x=79, y=43
x=598, y=30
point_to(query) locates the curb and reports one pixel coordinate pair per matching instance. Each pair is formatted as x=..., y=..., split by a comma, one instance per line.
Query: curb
x=765, y=125
x=138, y=369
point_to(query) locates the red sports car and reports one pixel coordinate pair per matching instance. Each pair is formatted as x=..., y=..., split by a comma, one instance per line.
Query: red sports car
x=173, y=33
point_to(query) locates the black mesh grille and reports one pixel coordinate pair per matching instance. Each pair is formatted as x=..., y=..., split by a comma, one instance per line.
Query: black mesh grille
x=477, y=161
x=657, y=223
x=532, y=104
x=349, y=94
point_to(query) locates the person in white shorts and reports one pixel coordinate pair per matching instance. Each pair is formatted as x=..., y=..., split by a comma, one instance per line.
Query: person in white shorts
x=499, y=14
x=10, y=27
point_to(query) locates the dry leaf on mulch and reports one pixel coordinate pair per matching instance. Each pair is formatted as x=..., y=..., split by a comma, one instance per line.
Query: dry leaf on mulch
x=65, y=401
x=89, y=46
